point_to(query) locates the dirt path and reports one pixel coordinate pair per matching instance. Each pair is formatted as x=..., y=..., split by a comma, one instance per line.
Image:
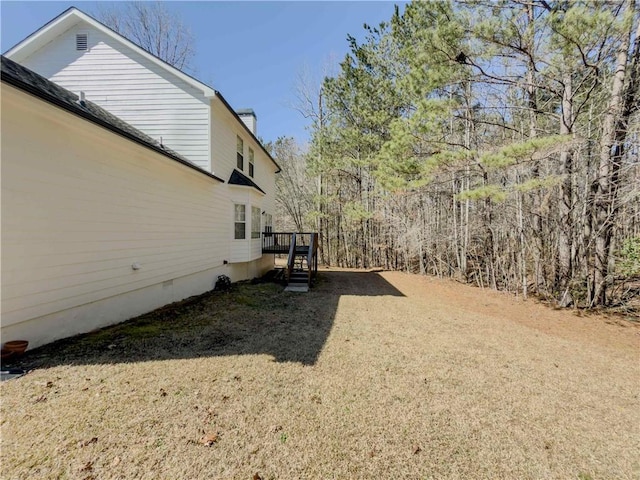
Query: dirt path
x=368, y=376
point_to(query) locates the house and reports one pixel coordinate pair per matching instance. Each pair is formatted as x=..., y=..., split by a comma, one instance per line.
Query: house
x=126, y=183
x=80, y=54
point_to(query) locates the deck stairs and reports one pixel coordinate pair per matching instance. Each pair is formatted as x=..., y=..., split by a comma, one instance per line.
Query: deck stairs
x=302, y=257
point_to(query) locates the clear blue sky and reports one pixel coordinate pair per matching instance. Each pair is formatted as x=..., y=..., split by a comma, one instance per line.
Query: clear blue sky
x=251, y=52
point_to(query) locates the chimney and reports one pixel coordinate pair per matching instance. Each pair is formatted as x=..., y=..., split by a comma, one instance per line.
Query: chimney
x=248, y=117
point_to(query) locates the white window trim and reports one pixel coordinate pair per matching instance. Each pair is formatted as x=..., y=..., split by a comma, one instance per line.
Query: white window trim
x=240, y=154
x=255, y=214
x=237, y=221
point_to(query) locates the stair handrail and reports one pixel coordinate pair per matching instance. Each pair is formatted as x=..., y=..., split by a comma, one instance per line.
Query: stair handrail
x=292, y=257
x=311, y=256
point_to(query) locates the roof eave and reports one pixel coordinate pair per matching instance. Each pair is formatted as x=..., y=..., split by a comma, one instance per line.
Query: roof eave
x=72, y=16
x=249, y=182
x=21, y=49
x=237, y=117
x=257, y=189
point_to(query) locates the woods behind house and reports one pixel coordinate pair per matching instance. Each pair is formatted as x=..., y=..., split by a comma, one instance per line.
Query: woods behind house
x=493, y=142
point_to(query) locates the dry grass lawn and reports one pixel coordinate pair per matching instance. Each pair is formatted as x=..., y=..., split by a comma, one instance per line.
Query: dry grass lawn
x=368, y=376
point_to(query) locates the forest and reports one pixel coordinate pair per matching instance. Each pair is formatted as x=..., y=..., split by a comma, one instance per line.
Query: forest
x=494, y=142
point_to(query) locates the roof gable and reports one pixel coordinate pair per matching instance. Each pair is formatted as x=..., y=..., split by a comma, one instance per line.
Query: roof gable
x=72, y=17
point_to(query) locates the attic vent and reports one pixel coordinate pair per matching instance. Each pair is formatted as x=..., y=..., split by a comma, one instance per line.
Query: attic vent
x=81, y=41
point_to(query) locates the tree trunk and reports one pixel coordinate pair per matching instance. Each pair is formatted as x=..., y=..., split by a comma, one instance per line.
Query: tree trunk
x=565, y=224
x=621, y=105
x=532, y=101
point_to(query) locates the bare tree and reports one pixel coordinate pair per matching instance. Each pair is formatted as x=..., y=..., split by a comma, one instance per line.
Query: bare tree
x=294, y=195
x=151, y=26
x=309, y=103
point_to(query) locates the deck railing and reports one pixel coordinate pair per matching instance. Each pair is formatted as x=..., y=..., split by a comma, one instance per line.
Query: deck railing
x=280, y=242
x=276, y=242
x=312, y=257
x=291, y=260
x=301, y=246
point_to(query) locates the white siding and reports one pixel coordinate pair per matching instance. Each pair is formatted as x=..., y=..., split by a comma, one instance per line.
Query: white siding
x=224, y=130
x=131, y=87
x=80, y=205
x=250, y=122
x=249, y=248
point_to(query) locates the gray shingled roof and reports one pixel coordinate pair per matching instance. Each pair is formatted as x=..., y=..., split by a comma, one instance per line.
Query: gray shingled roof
x=29, y=81
x=239, y=178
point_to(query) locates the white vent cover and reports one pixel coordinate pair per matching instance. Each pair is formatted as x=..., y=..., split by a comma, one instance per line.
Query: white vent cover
x=82, y=41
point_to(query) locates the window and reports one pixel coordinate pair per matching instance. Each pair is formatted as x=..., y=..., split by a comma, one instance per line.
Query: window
x=82, y=41
x=255, y=222
x=240, y=154
x=240, y=222
x=250, y=163
x=268, y=223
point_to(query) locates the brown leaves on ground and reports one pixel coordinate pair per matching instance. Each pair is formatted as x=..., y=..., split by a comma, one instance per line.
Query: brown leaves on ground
x=209, y=439
x=86, y=443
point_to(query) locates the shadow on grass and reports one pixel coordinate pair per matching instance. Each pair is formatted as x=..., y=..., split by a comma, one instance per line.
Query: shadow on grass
x=250, y=319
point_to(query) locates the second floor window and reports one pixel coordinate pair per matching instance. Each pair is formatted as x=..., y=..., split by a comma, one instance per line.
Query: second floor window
x=250, y=162
x=240, y=153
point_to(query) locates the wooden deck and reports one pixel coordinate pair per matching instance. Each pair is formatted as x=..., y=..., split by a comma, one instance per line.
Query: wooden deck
x=280, y=242
x=284, y=249
x=302, y=255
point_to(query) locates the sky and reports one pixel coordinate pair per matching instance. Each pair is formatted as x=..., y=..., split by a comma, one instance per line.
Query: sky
x=252, y=52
